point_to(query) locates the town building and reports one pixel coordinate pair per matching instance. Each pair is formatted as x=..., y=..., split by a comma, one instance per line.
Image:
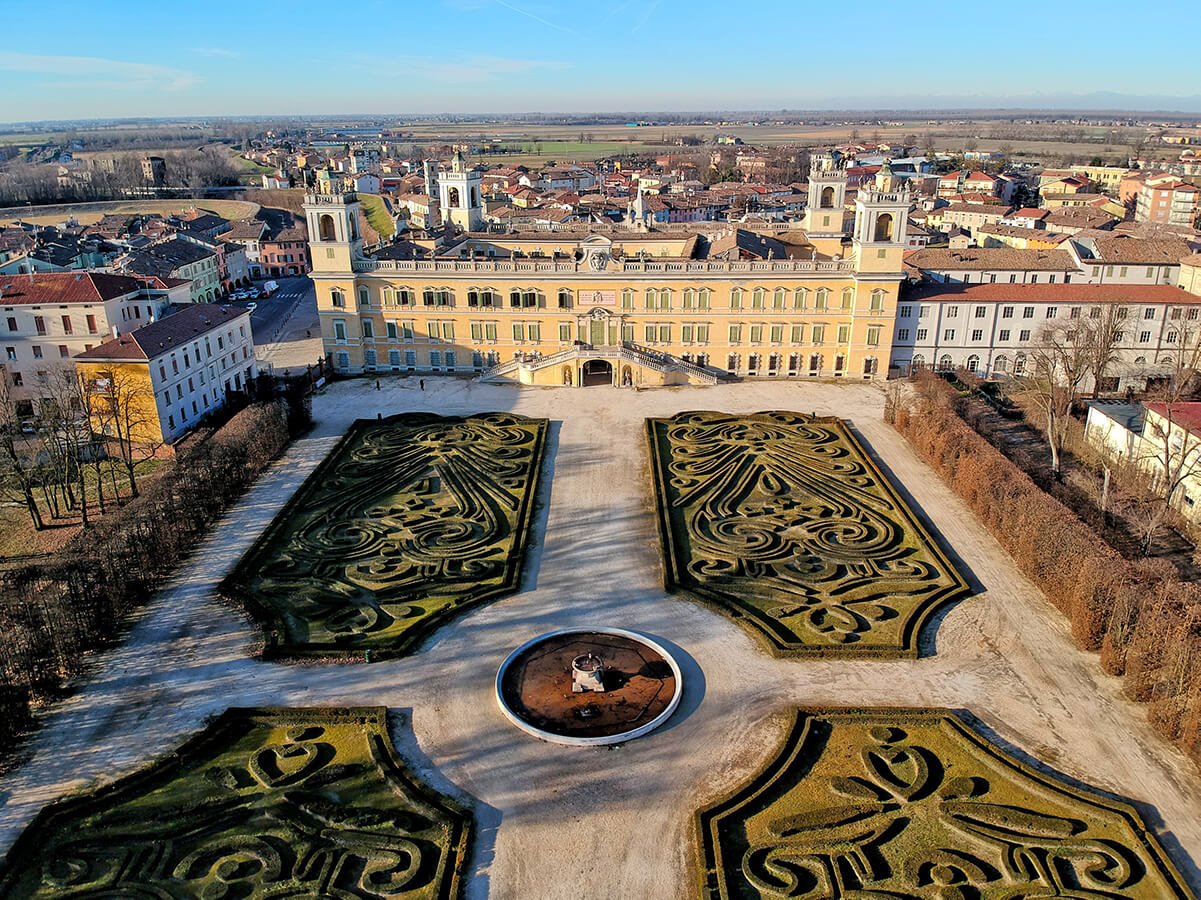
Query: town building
x=989, y=328
x=180, y=259
x=1162, y=440
x=624, y=304
x=48, y=318
x=1167, y=200
x=178, y=369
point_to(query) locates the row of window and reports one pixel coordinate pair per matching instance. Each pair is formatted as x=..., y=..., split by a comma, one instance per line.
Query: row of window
x=905, y=311
x=653, y=332
x=40, y=326
x=652, y=298
x=1000, y=364
x=771, y=365
x=1004, y=334
x=191, y=354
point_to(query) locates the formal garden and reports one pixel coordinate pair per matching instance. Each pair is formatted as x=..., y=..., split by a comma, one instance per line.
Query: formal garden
x=264, y=802
x=409, y=521
x=783, y=521
x=895, y=802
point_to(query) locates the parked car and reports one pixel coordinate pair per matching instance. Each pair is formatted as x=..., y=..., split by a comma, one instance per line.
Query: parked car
x=251, y=307
x=269, y=288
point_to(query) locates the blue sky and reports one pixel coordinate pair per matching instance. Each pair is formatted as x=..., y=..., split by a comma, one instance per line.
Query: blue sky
x=72, y=59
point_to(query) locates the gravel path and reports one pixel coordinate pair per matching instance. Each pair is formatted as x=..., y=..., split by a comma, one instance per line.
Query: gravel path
x=564, y=822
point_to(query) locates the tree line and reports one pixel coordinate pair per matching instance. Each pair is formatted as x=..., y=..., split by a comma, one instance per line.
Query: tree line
x=1142, y=618
x=57, y=610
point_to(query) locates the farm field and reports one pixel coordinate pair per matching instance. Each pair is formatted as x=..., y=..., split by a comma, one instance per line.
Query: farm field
x=89, y=213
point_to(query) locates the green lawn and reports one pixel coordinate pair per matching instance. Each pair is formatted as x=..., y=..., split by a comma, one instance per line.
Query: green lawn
x=377, y=215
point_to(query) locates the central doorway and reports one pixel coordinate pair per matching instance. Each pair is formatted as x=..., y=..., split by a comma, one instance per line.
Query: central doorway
x=597, y=371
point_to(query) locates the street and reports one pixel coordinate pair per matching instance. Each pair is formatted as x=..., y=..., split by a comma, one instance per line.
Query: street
x=285, y=325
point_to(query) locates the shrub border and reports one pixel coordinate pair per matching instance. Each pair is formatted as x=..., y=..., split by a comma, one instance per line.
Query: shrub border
x=233, y=586
x=215, y=735
x=673, y=563
x=793, y=748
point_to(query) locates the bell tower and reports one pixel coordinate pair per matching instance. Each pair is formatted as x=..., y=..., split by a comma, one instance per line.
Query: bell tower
x=335, y=241
x=459, y=193
x=881, y=220
x=825, y=204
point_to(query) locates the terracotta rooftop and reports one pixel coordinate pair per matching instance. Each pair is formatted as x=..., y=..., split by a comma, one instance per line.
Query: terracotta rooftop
x=1185, y=414
x=1056, y=293
x=166, y=334
x=65, y=287
x=985, y=258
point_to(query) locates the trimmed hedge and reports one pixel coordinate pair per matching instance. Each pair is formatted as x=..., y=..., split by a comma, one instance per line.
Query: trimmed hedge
x=1143, y=619
x=57, y=610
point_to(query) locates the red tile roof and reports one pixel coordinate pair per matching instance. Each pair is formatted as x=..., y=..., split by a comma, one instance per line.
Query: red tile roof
x=65, y=287
x=1057, y=293
x=166, y=334
x=1187, y=414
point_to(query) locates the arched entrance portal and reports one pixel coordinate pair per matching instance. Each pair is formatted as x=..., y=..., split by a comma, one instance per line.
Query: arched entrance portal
x=597, y=371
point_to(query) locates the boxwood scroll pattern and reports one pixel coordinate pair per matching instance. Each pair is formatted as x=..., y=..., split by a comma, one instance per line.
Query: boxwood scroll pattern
x=782, y=520
x=409, y=520
x=915, y=803
x=264, y=803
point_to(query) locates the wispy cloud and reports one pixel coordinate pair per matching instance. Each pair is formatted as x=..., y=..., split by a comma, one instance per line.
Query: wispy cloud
x=531, y=15
x=114, y=73
x=216, y=51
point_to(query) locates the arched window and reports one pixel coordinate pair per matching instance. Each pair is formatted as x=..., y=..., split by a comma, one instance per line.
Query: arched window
x=732, y=363
x=689, y=298
x=944, y=363
x=474, y=199
x=877, y=298
x=823, y=298
x=736, y=298
x=364, y=296
x=973, y=363
x=752, y=364
x=702, y=298
x=665, y=298
x=452, y=197
x=869, y=366
x=758, y=297
x=815, y=363
x=1000, y=364
x=848, y=298
x=827, y=201
x=627, y=298
x=1140, y=360
x=884, y=227
x=800, y=298
x=389, y=294
x=773, y=364
x=840, y=362
x=919, y=362
x=779, y=298
x=1019, y=364
x=337, y=298
x=326, y=226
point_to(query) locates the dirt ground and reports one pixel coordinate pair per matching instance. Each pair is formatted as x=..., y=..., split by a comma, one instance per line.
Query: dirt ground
x=566, y=822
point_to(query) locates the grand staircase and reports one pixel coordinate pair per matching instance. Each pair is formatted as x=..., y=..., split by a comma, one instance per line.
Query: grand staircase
x=628, y=352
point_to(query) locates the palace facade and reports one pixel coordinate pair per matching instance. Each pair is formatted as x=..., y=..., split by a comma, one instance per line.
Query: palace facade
x=626, y=305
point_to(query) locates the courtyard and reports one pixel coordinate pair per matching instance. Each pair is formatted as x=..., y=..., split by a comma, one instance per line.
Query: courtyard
x=555, y=821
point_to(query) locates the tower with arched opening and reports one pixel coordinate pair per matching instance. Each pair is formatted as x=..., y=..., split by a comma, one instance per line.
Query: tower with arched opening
x=460, y=195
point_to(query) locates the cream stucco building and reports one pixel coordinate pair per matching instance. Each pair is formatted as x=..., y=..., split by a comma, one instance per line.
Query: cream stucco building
x=626, y=305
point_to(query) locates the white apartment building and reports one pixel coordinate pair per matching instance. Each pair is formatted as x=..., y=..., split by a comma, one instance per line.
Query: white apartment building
x=988, y=328
x=193, y=359
x=49, y=317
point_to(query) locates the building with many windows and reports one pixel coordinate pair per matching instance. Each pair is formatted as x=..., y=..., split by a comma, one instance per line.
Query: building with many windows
x=178, y=370
x=47, y=318
x=623, y=305
x=989, y=328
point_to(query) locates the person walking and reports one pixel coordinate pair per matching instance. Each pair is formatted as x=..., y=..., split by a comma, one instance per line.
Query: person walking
x=377, y=387
x=421, y=381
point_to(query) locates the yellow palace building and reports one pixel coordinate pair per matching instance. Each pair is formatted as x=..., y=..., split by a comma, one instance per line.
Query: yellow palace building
x=624, y=305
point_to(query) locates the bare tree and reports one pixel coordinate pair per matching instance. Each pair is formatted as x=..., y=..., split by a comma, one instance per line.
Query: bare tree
x=1099, y=337
x=1058, y=362
x=1170, y=451
x=16, y=469
x=123, y=407
x=67, y=432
